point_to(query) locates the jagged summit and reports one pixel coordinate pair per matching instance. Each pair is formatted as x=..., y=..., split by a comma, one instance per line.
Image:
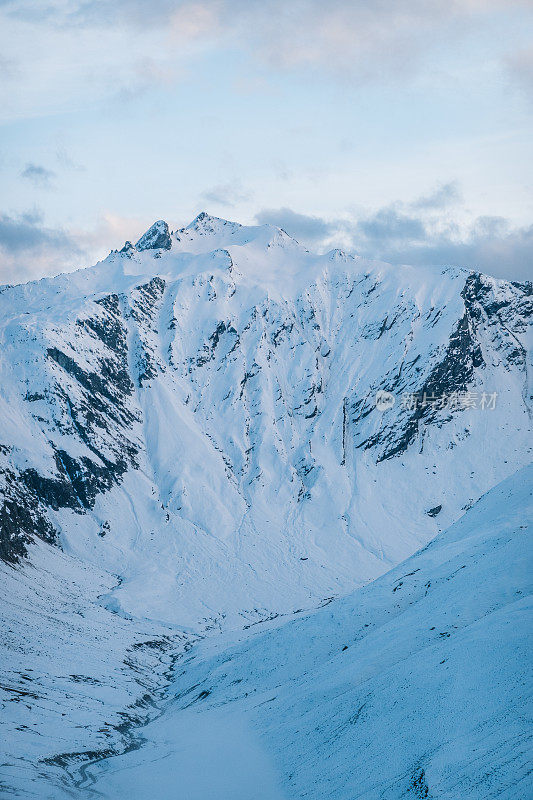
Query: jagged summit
x=206, y=222
x=207, y=233
x=156, y=238
x=128, y=248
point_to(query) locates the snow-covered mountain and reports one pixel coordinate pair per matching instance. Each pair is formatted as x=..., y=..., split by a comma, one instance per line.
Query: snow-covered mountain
x=190, y=442
x=199, y=411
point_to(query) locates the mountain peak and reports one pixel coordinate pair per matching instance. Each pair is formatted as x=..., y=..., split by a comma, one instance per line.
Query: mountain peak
x=203, y=215
x=156, y=238
x=209, y=223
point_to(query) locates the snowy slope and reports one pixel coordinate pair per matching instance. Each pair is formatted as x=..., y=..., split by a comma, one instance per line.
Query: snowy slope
x=417, y=686
x=75, y=678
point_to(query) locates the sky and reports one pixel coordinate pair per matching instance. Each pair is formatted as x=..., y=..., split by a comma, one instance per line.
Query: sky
x=396, y=130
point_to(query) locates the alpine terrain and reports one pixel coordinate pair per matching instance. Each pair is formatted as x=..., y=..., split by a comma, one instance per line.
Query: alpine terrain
x=216, y=449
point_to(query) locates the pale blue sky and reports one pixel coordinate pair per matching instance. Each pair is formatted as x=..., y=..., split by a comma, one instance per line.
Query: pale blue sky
x=401, y=129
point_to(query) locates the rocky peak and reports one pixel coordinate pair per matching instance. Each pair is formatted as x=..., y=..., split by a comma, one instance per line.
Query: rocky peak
x=128, y=249
x=205, y=222
x=156, y=238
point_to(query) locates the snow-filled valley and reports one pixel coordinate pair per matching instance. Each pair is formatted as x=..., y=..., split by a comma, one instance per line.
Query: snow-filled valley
x=418, y=685
x=200, y=494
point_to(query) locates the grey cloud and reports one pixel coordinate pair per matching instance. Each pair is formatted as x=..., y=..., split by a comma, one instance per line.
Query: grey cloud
x=38, y=175
x=26, y=232
x=509, y=256
x=307, y=229
x=446, y=195
x=490, y=227
x=28, y=248
x=391, y=225
x=489, y=244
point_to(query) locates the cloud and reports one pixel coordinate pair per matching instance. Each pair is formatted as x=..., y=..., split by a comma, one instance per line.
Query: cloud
x=307, y=229
x=38, y=175
x=25, y=232
x=362, y=40
x=490, y=245
x=391, y=225
x=443, y=196
x=29, y=249
x=226, y=194
x=400, y=234
x=359, y=40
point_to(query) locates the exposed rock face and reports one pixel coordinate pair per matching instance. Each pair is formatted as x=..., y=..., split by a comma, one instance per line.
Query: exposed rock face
x=156, y=238
x=83, y=401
